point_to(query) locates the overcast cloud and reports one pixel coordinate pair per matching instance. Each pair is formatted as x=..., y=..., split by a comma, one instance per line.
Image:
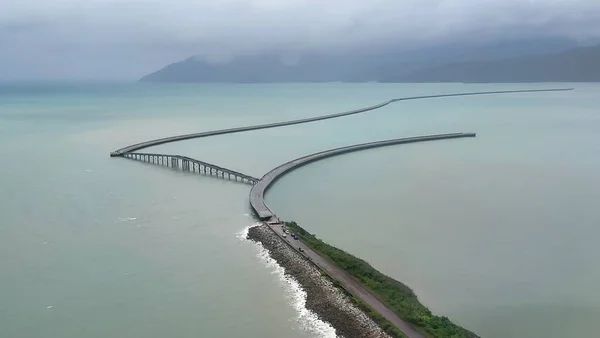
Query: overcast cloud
x=124, y=39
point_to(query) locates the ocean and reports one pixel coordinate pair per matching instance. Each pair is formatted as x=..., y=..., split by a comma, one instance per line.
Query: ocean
x=497, y=232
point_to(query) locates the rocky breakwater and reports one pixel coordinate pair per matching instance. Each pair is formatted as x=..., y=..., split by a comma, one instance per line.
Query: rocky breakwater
x=331, y=304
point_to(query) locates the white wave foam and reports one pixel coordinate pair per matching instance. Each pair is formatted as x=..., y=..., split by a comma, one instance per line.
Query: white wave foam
x=127, y=219
x=308, y=320
x=243, y=234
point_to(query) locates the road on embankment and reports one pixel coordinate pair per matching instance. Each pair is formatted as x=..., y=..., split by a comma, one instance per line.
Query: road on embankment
x=151, y=143
x=350, y=284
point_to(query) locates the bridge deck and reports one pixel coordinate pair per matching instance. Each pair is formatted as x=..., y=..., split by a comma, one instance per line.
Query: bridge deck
x=257, y=193
x=151, y=143
x=242, y=176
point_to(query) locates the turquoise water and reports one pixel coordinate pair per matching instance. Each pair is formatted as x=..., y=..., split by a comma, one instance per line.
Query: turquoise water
x=498, y=232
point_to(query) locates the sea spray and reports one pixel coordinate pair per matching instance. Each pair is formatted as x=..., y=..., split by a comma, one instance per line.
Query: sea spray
x=307, y=319
x=321, y=300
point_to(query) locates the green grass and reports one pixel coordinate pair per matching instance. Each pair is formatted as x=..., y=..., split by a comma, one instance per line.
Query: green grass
x=397, y=296
x=383, y=323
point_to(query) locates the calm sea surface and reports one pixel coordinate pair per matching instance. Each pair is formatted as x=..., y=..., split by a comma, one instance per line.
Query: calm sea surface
x=499, y=232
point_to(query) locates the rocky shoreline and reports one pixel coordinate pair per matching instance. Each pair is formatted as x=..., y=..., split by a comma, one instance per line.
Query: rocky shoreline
x=322, y=297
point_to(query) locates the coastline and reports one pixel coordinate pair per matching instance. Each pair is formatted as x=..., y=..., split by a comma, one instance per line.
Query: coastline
x=335, y=301
x=323, y=298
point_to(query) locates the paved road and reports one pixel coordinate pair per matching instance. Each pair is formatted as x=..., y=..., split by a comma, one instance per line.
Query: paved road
x=151, y=143
x=257, y=193
x=350, y=284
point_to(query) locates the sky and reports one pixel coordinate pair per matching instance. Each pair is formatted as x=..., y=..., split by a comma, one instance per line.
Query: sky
x=125, y=39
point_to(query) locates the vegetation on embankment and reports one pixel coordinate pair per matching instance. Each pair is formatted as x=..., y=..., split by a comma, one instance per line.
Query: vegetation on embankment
x=383, y=323
x=397, y=296
x=323, y=298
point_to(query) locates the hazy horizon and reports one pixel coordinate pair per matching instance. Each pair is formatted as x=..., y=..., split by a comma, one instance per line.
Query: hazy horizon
x=125, y=39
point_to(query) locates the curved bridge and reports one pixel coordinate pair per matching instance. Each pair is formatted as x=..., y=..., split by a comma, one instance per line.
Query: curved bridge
x=151, y=143
x=257, y=193
x=350, y=284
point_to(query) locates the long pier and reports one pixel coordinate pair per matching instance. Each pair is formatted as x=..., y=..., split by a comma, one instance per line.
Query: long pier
x=151, y=143
x=189, y=164
x=257, y=193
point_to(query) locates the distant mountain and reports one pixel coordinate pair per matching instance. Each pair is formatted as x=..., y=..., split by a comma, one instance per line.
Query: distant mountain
x=576, y=65
x=248, y=69
x=387, y=64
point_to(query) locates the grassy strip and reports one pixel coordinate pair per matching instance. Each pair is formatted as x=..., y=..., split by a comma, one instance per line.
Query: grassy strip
x=383, y=323
x=397, y=296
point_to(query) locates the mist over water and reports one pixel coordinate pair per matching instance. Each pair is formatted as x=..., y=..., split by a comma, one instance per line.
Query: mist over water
x=496, y=232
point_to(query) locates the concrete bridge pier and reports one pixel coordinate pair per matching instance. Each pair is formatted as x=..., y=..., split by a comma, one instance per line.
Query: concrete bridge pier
x=190, y=165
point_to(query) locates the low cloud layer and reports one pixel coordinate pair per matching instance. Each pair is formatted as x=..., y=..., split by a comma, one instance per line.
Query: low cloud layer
x=123, y=39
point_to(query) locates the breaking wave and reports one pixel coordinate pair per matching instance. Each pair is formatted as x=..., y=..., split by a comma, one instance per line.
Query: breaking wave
x=306, y=319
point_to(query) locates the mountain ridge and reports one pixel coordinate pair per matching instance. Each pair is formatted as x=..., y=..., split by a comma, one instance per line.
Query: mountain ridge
x=391, y=65
x=580, y=64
